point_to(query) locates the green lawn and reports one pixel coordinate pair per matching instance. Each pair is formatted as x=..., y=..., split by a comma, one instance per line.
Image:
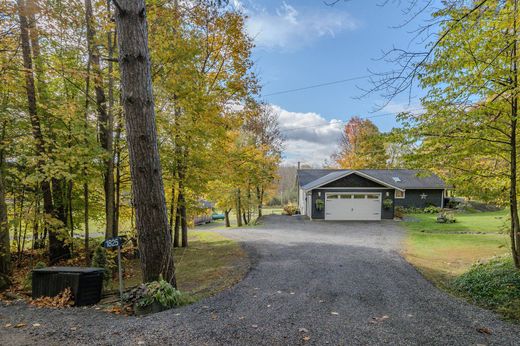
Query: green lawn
x=209, y=265
x=444, y=251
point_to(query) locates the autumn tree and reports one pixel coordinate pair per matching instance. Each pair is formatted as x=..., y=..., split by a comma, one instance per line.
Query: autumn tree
x=361, y=146
x=155, y=246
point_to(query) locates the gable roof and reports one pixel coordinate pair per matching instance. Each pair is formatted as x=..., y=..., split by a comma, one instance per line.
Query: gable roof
x=309, y=179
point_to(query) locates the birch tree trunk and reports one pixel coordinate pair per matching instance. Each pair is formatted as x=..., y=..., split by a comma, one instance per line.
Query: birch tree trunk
x=5, y=244
x=155, y=245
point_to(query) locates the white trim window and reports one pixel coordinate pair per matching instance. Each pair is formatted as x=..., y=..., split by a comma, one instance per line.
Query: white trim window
x=399, y=194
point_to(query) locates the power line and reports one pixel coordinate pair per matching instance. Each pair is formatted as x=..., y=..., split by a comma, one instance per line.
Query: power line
x=316, y=86
x=345, y=121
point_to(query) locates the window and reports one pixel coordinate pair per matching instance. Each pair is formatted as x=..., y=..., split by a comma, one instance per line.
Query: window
x=373, y=196
x=399, y=194
x=359, y=196
x=332, y=197
x=346, y=196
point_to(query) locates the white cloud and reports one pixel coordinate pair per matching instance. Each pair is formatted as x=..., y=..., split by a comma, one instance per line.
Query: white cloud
x=309, y=137
x=290, y=28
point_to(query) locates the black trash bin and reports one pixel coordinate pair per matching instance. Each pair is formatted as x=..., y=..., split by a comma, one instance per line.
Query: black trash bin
x=85, y=283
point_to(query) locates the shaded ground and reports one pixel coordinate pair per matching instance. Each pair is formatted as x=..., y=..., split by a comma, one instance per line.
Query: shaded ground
x=310, y=283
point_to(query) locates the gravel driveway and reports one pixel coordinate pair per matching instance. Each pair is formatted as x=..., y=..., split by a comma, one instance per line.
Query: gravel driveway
x=311, y=283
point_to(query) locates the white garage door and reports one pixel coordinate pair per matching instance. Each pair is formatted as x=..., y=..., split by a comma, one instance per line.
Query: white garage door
x=353, y=206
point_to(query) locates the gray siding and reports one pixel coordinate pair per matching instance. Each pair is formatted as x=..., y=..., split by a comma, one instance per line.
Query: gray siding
x=413, y=198
x=353, y=180
x=320, y=214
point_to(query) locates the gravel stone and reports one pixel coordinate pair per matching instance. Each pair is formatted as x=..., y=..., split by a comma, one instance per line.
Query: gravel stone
x=352, y=268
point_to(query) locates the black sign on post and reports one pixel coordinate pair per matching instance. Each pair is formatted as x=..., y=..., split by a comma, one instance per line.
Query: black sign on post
x=110, y=244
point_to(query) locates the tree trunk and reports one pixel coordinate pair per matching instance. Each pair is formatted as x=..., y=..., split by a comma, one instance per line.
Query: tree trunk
x=238, y=209
x=5, y=244
x=515, y=221
x=226, y=216
x=105, y=121
x=176, y=232
x=155, y=245
x=172, y=207
x=57, y=248
x=259, y=198
x=184, y=221
x=117, y=157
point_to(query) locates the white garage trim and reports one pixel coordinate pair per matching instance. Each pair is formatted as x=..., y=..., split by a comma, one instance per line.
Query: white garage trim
x=355, y=206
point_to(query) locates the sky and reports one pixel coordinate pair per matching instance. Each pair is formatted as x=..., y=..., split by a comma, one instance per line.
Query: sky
x=300, y=43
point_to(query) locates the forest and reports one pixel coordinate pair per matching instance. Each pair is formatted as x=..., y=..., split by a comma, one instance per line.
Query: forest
x=107, y=130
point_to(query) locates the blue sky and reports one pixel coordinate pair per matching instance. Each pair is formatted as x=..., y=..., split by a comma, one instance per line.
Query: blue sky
x=304, y=42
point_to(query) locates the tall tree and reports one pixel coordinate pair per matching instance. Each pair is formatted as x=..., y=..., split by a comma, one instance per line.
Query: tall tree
x=154, y=237
x=361, y=146
x=105, y=119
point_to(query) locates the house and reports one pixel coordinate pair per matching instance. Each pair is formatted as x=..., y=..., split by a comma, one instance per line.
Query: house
x=365, y=194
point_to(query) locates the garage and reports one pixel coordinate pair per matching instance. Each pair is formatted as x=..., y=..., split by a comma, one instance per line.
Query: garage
x=353, y=206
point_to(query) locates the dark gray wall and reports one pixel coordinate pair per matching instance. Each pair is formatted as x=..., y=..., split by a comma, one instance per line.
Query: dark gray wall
x=385, y=213
x=413, y=198
x=353, y=180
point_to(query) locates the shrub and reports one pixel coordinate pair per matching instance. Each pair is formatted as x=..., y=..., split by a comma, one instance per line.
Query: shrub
x=319, y=204
x=431, y=209
x=399, y=212
x=495, y=285
x=290, y=209
x=445, y=217
x=160, y=292
x=27, y=284
x=99, y=260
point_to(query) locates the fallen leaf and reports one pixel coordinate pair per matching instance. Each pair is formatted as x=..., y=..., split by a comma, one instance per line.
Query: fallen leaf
x=254, y=326
x=8, y=325
x=36, y=325
x=20, y=325
x=278, y=291
x=73, y=328
x=291, y=293
x=268, y=305
x=241, y=317
x=303, y=330
x=379, y=319
x=484, y=330
x=334, y=313
x=306, y=338
x=320, y=301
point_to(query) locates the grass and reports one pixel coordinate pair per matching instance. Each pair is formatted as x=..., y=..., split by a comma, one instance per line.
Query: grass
x=495, y=285
x=210, y=264
x=444, y=251
x=469, y=258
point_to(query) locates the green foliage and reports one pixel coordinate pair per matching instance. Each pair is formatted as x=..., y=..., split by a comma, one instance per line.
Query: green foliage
x=27, y=284
x=446, y=217
x=431, y=210
x=319, y=204
x=100, y=260
x=388, y=203
x=160, y=292
x=495, y=285
x=290, y=209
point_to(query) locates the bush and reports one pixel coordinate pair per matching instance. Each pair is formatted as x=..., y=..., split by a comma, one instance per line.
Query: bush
x=431, y=209
x=290, y=209
x=160, y=292
x=99, y=260
x=495, y=285
x=445, y=217
x=399, y=212
x=27, y=284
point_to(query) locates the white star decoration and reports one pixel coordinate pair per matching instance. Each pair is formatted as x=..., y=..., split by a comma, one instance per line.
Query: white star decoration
x=423, y=196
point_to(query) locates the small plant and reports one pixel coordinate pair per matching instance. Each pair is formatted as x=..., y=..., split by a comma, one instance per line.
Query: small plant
x=446, y=217
x=27, y=284
x=290, y=209
x=320, y=204
x=388, y=203
x=99, y=260
x=399, y=212
x=156, y=295
x=431, y=209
